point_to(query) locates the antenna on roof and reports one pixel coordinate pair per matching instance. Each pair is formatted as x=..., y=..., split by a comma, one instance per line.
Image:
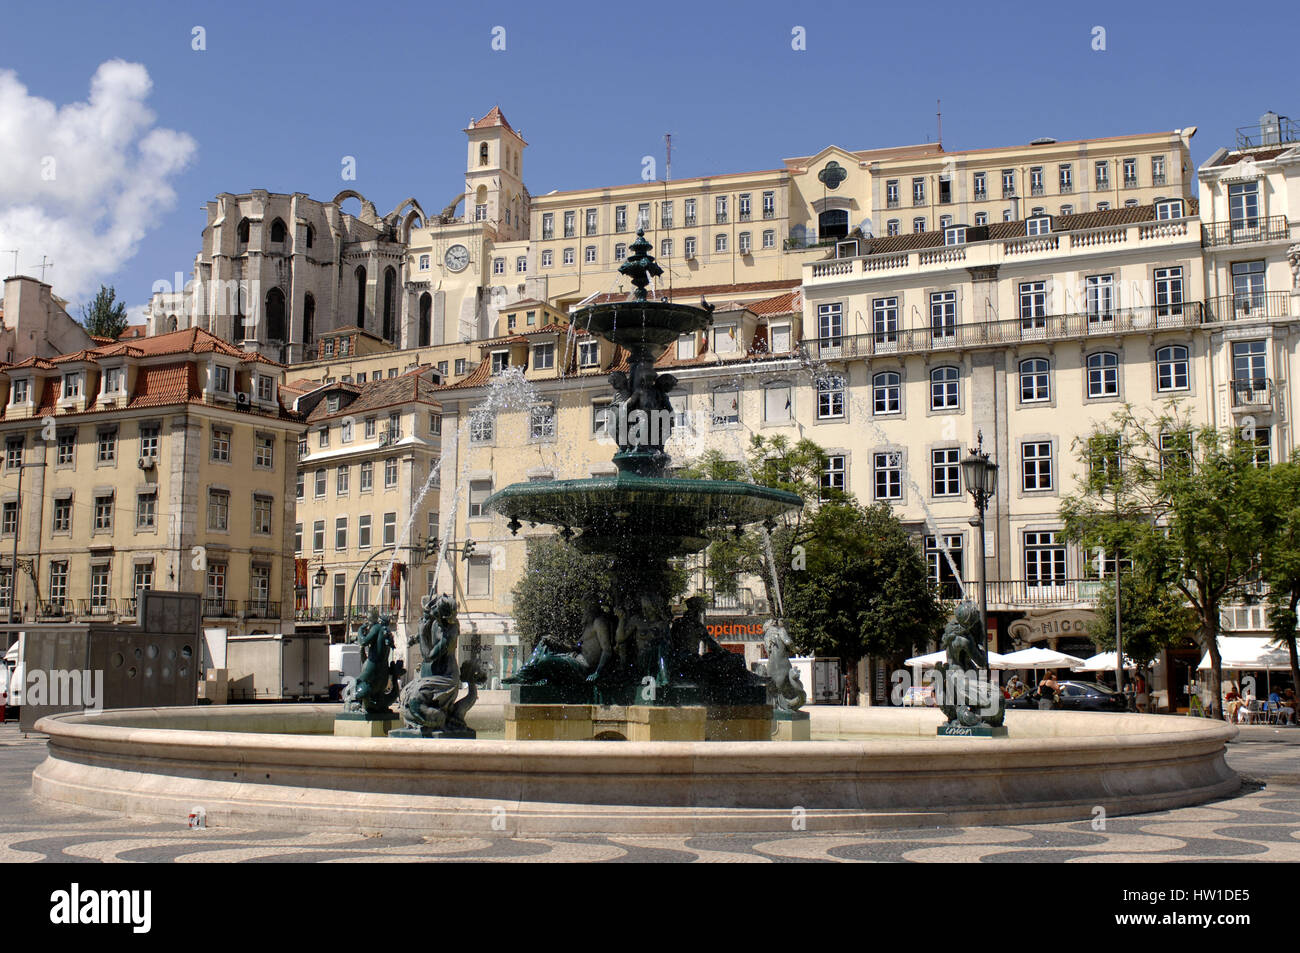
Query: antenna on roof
x=45, y=264
x=938, y=112
x=668, y=158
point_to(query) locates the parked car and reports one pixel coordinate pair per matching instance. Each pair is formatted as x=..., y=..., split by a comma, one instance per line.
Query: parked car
x=1091, y=696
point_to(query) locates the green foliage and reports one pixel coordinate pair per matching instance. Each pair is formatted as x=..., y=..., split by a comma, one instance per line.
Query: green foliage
x=866, y=589
x=105, y=316
x=557, y=584
x=1153, y=616
x=1186, y=506
x=1280, y=555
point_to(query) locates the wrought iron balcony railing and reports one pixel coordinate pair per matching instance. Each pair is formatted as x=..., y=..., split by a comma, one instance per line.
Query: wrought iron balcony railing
x=96, y=608
x=261, y=609
x=219, y=608
x=1252, y=393
x=1241, y=231
x=1253, y=305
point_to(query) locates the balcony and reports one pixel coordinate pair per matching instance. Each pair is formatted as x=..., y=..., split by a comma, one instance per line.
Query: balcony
x=1032, y=593
x=1243, y=231
x=220, y=609
x=892, y=203
x=981, y=195
x=1130, y=182
x=1252, y=394
x=261, y=609
x=320, y=614
x=1058, y=327
x=720, y=218
x=1067, y=188
x=53, y=610
x=1158, y=178
x=1260, y=305
x=769, y=213
x=96, y=608
x=1036, y=190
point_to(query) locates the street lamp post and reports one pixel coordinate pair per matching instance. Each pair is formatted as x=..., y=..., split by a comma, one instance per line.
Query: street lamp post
x=981, y=476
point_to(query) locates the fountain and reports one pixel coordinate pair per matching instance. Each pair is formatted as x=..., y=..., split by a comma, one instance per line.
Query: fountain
x=633, y=661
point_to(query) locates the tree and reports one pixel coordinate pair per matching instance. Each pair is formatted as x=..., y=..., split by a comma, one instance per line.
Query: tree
x=866, y=589
x=1188, y=511
x=558, y=583
x=1154, y=616
x=105, y=316
x=1280, y=557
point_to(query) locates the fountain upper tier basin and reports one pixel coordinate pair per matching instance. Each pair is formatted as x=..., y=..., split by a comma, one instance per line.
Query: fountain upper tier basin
x=630, y=506
x=642, y=323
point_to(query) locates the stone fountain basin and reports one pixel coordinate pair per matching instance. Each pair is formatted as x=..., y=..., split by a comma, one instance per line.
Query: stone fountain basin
x=652, y=323
x=272, y=766
x=630, y=506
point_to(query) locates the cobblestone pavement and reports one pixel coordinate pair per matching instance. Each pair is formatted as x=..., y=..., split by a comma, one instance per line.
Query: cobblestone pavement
x=1261, y=822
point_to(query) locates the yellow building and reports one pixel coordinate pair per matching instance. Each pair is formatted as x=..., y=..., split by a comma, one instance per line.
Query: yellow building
x=364, y=463
x=163, y=463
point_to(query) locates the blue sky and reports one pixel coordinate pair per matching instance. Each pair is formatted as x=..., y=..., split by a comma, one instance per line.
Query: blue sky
x=284, y=90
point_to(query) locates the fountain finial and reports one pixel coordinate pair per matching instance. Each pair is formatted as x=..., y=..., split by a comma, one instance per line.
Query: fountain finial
x=640, y=266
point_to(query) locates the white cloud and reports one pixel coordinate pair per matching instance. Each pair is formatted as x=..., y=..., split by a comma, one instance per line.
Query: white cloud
x=83, y=183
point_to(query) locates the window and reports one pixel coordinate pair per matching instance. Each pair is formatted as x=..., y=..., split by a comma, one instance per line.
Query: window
x=500, y=361
x=643, y=215
x=1033, y=305
x=620, y=218
x=888, y=475
x=318, y=536
x=424, y=263
x=777, y=402
x=71, y=385
x=498, y=266
x=390, y=473
x=1169, y=208
x=600, y=418
x=66, y=444
x=666, y=248
x=320, y=483
x=1243, y=204
x=521, y=264
x=541, y=422
x=688, y=212
x=13, y=453
x=481, y=426
x=435, y=424
x=1103, y=375
x=1036, y=465
x=570, y=224
x=104, y=513
x=944, y=388
x=323, y=436
x=1066, y=177
x=1248, y=286
x=589, y=255
x=780, y=334
x=1172, y=368
x=769, y=238
x=478, y=577
x=146, y=510
x=830, y=324
x=720, y=210
x=1157, y=170
x=726, y=407
x=688, y=245
x=1249, y=367
x=548, y=258
x=363, y=531
x=686, y=347
x=981, y=218
x=1102, y=173
x=1067, y=209
x=218, y=510
x=891, y=193
x=22, y=391
x=945, y=472
x=769, y=204
x=99, y=587
x=220, y=445
x=107, y=447
x=114, y=380
x=833, y=483
x=262, y=506
x=745, y=243
x=1034, y=378
x=830, y=398
x=886, y=393
x=620, y=251
x=1130, y=173
x=979, y=186
x=340, y=532
x=297, y=537
x=9, y=519
x=588, y=353
x=918, y=190
x=918, y=225
x=884, y=313
x=264, y=452
x=62, y=521
x=221, y=378
x=720, y=242
x=954, y=236
x=1099, y=298
x=59, y=583
x=1040, y=225
x=548, y=225
x=893, y=227
x=1008, y=183
x=945, y=190
x=1036, y=180
x=1103, y=206
x=1169, y=292
x=1044, y=560
x=945, y=560
x=479, y=491
x=570, y=256
x=544, y=357
x=591, y=221
x=342, y=480
x=744, y=207
x=943, y=314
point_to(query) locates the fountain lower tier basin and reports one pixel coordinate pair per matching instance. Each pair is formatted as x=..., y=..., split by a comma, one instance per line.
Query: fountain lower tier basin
x=628, y=506
x=650, y=324
x=276, y=766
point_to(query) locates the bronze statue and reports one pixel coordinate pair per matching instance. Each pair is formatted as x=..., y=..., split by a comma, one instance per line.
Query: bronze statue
x=376, y=686
x=430, y=703
x=555, y=663
x=967, y=698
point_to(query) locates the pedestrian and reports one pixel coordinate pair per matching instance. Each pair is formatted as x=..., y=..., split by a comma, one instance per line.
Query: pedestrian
x=1140, y=690
x=1049, y=692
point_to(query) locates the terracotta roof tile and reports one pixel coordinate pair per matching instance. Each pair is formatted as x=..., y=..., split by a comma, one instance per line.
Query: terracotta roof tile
x=386, y=392
x=166, y=384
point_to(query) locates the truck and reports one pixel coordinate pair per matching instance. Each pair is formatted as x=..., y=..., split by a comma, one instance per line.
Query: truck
x=277, y=667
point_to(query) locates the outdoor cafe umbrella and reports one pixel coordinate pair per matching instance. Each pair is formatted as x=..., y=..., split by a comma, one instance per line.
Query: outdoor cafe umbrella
x=934, y=658
x=1105, y=662
x=1038, y=657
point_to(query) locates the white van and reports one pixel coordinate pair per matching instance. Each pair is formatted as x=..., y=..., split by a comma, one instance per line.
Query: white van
x=13, y=674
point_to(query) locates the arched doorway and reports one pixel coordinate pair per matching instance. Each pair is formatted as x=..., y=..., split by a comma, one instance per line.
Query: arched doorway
x=426, y=318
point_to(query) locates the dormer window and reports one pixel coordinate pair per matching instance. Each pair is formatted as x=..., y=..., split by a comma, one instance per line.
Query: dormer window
x=500, y=361
x=686, y=347
x=332, y=404
x=589, y=354
x=1041, y=225
x=954, y=235
x=221, y=379
x=114, y=380
x=724, y=339
x=544, y=357
x=265, y=387
x=22, y=392
x=71, y=386
x=1169, y=208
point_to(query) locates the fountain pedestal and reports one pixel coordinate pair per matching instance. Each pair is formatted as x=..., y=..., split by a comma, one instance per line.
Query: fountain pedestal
x=793, y=725
x=365, y=724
